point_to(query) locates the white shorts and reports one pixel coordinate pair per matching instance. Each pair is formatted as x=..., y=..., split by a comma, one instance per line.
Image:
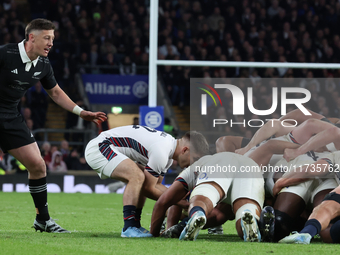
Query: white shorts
x=235, y=188
x=103, y=165
x=307, y=190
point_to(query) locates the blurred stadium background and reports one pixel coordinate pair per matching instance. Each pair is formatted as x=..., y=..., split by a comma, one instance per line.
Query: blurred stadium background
x=101, y=59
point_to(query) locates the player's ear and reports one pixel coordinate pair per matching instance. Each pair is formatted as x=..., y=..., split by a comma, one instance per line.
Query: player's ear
x=185, y=149
x=31, y=37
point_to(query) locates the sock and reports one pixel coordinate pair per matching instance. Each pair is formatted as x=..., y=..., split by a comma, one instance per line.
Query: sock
x=129, y=216
x=335, y=232
x=185, y=220
x=196, y=209
x=312, y=227
x=38, y=190
x=138, y=216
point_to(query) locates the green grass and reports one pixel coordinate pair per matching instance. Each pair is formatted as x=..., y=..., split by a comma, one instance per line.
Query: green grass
x=96, y=221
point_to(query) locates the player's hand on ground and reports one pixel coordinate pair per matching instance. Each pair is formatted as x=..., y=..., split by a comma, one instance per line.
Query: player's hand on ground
x=279, y=185
x=96, y=117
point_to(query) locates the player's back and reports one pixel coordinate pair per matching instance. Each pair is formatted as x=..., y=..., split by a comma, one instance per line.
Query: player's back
x=140, y=142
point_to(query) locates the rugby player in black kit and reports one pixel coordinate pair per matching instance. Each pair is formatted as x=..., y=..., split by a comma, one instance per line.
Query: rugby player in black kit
x=21, y=67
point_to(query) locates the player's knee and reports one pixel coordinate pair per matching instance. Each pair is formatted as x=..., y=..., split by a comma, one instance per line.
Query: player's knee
x=139, y=177
x=333, y=207
x=206, y=190
x=37, y=166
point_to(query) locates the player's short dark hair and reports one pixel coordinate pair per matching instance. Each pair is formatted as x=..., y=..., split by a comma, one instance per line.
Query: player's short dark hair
x=38, y=24
x=198, y=143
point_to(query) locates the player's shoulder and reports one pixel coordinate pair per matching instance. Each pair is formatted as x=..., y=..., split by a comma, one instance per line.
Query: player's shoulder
x=9, y=48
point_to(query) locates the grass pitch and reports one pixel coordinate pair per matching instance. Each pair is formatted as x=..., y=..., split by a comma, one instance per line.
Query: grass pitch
x=96, y=220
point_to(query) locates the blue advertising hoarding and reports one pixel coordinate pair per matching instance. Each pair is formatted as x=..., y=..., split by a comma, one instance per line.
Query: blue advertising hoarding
x=116, y=89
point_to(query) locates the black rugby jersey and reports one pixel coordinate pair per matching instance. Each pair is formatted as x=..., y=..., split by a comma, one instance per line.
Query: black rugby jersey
x=15, y=80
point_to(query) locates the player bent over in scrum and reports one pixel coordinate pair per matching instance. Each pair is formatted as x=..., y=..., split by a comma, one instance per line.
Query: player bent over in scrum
x=181, y=187
x=324, y=218
x=112, y=155
x=244, y=191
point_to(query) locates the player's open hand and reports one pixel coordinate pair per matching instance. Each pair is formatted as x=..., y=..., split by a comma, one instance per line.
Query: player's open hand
x=279, y=185
x=96, y=117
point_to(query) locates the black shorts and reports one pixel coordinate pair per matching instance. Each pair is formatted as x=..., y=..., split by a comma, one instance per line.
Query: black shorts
x=14, y=133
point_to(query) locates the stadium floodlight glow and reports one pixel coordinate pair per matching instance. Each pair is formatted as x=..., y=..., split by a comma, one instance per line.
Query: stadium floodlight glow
x=116, y=109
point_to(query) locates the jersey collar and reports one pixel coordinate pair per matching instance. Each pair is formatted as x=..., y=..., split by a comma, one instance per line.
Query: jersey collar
x=24, y=57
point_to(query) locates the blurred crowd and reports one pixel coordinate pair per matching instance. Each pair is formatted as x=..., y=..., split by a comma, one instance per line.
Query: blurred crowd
x=58, y=159
x=106, y=36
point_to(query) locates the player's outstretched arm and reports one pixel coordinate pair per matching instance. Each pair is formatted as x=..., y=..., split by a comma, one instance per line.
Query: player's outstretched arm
x=273, y=127
x=151, y=187
x=171, y=196
x=325, y=137
x=60, y=98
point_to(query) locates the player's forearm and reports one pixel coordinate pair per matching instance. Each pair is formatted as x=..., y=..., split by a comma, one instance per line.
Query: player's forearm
x=321, y=139
x=152, y=192
x=161, y=187
x=174, y=216
x=60, y=98
x=157, y=218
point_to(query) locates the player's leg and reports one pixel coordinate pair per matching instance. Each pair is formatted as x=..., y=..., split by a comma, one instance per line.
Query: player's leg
x=203, y=199
x=221, y=213
x=319, y=220
x=328, y=136
x=247, y=198
x=288, y=208
x=29, y=155
x=266, y=131
x=127, y=171
x=247, y=213
x=332, y=233
x=218, y=216
x=326, y=233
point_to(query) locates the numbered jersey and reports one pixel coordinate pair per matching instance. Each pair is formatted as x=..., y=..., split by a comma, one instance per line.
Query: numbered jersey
x=149, y=147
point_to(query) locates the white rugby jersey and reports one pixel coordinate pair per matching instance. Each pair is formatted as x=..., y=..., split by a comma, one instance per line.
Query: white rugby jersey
x=332, y=158
x=149, y=147
x=188, y=177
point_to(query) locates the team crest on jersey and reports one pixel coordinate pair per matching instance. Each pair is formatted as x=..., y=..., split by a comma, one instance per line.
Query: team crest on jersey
x=35, y=75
